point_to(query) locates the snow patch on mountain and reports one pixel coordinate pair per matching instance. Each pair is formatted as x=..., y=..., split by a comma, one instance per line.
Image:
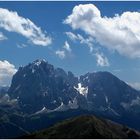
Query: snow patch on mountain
x=38, y=62
x=86, y=78
x=106, y=99
x=113, y=111
x=33, y=70
x=54, y=101
x=71, y=105
x=82, y=90
x=44, y=109
x=62, y=107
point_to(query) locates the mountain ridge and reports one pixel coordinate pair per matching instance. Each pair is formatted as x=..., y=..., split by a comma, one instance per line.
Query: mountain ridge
x=39, y=89
x=40, y=85
x=87, y=127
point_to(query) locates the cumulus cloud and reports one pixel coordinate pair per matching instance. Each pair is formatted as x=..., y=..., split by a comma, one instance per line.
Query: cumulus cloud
x=7, y=70
x=2, y=36
x=120, y=33
x=77, y=37
x=135, y=85
x=67, y=46
x=101, y=60
x=60, y=54
x=12, y=22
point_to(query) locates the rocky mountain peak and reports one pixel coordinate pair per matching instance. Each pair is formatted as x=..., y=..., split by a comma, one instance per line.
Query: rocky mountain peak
x=39, y=61
x=39, y=85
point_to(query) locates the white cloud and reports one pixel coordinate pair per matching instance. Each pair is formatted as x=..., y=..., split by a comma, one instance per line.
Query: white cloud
x=67, y=46
x=21, y=46
x=135, y=85
x=12, y=22
x=2, y=36
x=120, y=33
x=60, y=54
x=7, y=70
x=5, y=100
x=72, y=36
x=88, y=41
x=101, y=60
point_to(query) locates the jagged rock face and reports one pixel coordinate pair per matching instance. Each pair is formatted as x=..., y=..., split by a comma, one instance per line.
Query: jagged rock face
x=39, y=88
x=107, y=92
x=39, y=85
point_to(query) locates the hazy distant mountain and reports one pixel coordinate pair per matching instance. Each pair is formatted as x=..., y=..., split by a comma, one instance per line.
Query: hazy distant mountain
x=88, y=127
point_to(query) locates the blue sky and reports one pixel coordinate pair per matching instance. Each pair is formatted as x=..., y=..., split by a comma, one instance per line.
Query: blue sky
x=72, y=54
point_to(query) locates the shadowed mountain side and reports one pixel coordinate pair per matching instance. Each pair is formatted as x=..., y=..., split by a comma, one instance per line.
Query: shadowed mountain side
x=86, y=127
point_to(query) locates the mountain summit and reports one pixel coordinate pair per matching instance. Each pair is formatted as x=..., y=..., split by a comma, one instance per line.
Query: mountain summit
x=39, y=85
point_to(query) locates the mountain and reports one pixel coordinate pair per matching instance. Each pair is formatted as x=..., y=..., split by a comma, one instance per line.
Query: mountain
x=88, y=127
x=14, y=124
x=109, y=94
x=110, y=97
x=41, y=86
x=39, y=90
